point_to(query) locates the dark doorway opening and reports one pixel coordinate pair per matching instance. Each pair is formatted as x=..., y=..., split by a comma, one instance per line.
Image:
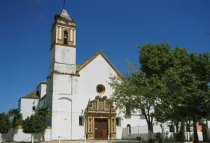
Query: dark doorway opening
x=65, y=37
x=101, y=129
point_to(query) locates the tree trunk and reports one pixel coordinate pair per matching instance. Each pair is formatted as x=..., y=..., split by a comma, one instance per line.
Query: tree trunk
x=182, y=131
x=207, y=130
x=150, y=132
x=177, y=126
x=32, y=138
x=0, y=137
x=176, y=136
x=162, y=135
x=195, y=130
x=14, y=122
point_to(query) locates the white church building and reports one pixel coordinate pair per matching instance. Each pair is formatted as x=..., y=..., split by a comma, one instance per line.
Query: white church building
x=77, y=95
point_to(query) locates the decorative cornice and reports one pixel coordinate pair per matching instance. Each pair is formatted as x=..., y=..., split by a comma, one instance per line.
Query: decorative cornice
x=72, y=74
x=77, y=74
x=72, y=46
x=52, y=45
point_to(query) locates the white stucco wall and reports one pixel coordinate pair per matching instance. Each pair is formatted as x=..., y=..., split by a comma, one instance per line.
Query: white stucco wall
x=26, y=106
x=96, y=72
x=42, y=88
x=65, y=54
x=18, y=135
x=61, y=106
x=63, y=59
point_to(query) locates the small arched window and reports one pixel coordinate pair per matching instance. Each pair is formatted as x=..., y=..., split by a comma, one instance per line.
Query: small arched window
x=129, y=128
x=65, y=39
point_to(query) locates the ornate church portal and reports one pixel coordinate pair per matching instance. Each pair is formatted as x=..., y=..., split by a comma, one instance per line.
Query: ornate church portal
x=100, y=119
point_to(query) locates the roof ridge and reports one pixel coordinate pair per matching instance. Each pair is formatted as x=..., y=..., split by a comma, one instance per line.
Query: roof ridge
x=106, y=59
x=31, y=95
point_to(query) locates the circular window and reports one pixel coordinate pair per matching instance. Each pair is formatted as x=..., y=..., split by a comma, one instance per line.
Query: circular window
x=100, y=89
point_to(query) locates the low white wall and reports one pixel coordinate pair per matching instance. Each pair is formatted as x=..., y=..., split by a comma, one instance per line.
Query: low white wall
x=142, y=131
x=19, y=136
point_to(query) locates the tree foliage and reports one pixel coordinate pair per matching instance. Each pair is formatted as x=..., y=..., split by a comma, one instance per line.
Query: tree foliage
x=171, y=85
x=16, y=117
x=33, y=124
x=43, y=113
x=139, y=93
x=4, y=123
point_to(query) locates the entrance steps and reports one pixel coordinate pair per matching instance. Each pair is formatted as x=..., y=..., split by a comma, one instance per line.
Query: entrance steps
x=77, y=141
x=91, y=141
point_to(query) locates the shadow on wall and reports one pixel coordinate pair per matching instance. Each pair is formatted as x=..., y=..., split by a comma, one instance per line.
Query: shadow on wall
x=9, y=136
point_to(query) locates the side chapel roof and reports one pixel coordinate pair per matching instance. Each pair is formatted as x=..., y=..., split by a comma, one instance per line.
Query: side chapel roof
x=31, y=95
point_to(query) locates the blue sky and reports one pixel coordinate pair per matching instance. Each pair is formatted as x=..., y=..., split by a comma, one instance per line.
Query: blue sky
x=117, y=27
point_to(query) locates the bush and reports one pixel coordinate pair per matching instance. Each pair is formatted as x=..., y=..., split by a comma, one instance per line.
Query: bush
x=33, y=124
x=4, y=123
x=159, y=137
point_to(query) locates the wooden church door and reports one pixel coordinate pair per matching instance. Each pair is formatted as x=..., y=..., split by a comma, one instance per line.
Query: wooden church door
x=101, y=129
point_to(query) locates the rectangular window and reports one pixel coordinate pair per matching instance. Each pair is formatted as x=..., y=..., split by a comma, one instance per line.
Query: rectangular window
x=80, y=121
x=34, y=108
x=118, y=121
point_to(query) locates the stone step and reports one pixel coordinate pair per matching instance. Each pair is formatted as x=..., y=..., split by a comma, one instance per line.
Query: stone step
x=76, y=141
x=92, y=141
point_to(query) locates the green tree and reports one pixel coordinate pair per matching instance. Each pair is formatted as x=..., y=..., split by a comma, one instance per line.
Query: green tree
x=172, y=90
x=4, y=124
x=16, y=117
x=184, y=80
x=33, y=124
x=43, y=113
x=136, y=93
x=171, y=81
x=197, y=100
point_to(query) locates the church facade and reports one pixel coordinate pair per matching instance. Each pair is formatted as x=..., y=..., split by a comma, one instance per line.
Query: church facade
x=78, y=95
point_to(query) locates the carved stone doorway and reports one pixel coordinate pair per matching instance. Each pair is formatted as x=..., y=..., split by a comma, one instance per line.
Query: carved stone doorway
x=100, y=119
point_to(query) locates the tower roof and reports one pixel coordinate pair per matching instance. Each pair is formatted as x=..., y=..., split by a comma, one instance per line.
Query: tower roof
x=64, y=14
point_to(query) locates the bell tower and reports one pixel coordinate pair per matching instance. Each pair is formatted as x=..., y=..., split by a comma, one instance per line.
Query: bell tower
x=63, y=30
x=63, y=44
x=62, y=77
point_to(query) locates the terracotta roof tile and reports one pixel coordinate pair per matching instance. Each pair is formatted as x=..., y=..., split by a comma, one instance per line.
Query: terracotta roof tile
x=31, y=95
